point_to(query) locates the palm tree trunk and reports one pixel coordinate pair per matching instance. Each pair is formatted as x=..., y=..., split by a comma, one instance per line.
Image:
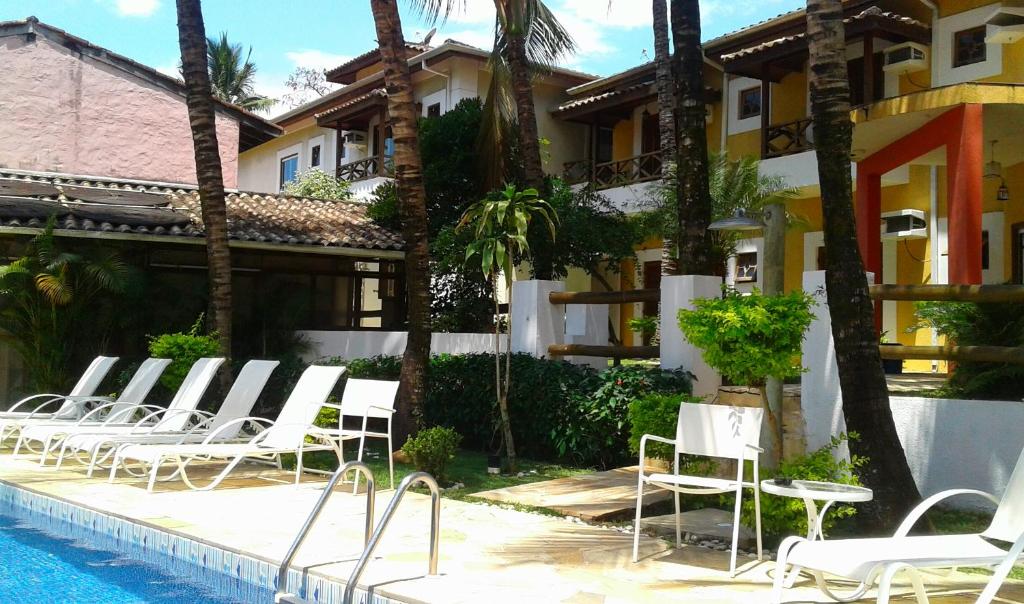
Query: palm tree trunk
x=202, y=118
x=865, y=394
x=694, y=198
x=413, y=210
x=666, y=115
x=522, y=90
x=503, y=385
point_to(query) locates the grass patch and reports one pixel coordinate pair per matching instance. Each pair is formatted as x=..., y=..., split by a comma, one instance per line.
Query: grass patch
x=469, y=468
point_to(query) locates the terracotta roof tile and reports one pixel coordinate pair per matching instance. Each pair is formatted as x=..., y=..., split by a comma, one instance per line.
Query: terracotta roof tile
x=255, y=217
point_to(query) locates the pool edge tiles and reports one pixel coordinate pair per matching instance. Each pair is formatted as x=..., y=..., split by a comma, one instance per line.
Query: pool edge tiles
x=314, y=588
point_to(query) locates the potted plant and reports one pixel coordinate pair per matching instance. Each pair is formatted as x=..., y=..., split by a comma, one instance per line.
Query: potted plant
x=749, y=338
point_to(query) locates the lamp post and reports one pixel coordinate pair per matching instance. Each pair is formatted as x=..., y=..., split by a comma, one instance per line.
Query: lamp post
x=773, y=222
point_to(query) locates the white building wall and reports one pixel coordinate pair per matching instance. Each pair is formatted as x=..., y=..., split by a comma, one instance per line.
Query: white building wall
x=259, y=167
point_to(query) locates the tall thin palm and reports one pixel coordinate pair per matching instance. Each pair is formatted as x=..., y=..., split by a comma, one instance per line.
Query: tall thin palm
x=865, y=392
x=231, y=76
x=500, y=226
x=202, y=118
x=528, y=39
x=666, y=113
x=413, y=211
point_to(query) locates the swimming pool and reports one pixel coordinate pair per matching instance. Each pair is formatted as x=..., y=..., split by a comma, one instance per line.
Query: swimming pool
x=46, y=558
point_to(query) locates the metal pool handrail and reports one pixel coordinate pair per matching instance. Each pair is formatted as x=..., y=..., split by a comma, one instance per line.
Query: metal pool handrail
x=435, y=519
x=371, y=494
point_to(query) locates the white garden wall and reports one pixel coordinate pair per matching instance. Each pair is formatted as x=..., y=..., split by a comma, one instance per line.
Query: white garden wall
x=364, y=344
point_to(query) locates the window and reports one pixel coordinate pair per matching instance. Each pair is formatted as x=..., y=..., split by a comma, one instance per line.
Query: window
x=434, y=110
x=969, y=46
x=314, y=157
x=603, y=152
x=984, y=250
x=746, y=267
x=289, y=168
x=750, y=103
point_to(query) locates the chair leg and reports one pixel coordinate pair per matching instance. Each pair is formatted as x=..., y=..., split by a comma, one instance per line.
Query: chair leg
x=735, y=531
x=679, y=523
x=885, y=583
x=152, y=475
x=757, y=516
x=780, y=568
x=298, y=465
x=359, y=457
x=639, y=509
x=1001, y=572
x=391, y=459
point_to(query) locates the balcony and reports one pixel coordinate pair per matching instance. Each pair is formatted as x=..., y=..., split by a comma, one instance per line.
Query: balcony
x=606, y=175
x=787, y=138
x=364, y=169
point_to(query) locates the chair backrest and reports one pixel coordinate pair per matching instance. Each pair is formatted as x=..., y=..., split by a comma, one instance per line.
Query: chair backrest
x=718, y=430
x=93, y=376
x=361, y=396
x=302, y=406
x=187, y=398
x=243, y=394
x=138, y=387
x=87, y=384
x=1008, y=521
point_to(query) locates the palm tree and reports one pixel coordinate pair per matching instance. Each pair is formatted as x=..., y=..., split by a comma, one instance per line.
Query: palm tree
x=527, y=39
x=58, y=306
x=865, y=393
x=666, y=113
x=692, y=146
x=231, y=77
x=201, y=116
x=413, y=211
x=500, y=226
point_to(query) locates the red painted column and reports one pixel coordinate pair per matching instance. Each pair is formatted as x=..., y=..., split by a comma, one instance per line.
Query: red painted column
x=869, y=219
x=964, y=175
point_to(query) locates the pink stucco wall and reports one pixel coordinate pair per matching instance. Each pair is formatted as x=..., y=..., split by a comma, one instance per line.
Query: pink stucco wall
x=62, y=112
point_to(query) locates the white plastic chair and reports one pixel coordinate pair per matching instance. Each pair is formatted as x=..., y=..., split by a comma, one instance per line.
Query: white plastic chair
x=870, y=559
x=71, y=404
x=710, y=431
x=366, y=399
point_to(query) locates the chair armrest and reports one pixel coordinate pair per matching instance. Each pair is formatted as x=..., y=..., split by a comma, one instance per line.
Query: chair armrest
x=241, y=420
x=379, y=408
x=754, y=447
x=643, y=447
x=50, y=399
x=915, y=514
x=328, y=405
x=90, y=416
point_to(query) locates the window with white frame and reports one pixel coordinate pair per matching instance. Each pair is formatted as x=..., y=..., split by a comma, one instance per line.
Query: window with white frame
x=969, y=46
x=314, y=156
x=746, y=267
x=289, y=169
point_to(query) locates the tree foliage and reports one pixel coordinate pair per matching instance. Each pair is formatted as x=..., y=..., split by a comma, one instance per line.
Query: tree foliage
x=58, y=307
x=232, y=78
x=750, y=338
x=318, y=184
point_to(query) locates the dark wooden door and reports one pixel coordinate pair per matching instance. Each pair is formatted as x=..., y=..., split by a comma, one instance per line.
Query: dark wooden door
x=650, y=136
x=652, y=280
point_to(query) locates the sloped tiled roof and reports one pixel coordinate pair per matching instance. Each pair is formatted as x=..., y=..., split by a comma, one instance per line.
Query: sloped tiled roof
x=871, y=12
x=376, y=92
x=28, y=199
x=587, y=100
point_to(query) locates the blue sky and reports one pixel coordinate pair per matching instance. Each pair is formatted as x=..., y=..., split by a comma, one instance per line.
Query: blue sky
x=322, y=33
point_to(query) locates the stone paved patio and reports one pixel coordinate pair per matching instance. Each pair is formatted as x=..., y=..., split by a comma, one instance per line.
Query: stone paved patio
x=487, y=553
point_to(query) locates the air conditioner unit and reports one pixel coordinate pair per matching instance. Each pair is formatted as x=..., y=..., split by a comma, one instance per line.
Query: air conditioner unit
x=1005, y=25
x=905, y=58
x=904, y=224
x=355, y=138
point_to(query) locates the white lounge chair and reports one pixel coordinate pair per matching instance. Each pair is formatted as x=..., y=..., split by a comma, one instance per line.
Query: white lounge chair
x=125, y=406
x=174, y=417
x=871, y=559
x=711, y=431
x=38, y=406
x=94, y=448
x=286, y=435
x=366, y=400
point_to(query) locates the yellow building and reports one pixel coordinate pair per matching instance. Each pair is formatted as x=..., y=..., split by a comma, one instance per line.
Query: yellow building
x=937, y=94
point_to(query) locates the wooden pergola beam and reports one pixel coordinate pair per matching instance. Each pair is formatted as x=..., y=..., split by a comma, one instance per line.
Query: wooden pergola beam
x=949, y=293
x=976, y=354
x=628, y=296
x=612, y=352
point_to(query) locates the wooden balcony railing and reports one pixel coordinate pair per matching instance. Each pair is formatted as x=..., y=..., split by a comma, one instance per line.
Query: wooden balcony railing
x=787, y=138
x=610, y=174
x=366, y=168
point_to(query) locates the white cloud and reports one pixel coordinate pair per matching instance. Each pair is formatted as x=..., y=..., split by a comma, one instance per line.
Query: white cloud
x=170, y=68
x=473, y=11
x=136, y=8
x=316, y=59
x=481, y=37
x=611, y=13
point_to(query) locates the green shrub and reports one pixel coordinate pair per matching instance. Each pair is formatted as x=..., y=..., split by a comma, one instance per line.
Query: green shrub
x=431, y=450
x=593, y=428
x=970, y=324
x=787, y=515
x=318, y=184
x=183, y=349
x=750, y=338
x=654, y=414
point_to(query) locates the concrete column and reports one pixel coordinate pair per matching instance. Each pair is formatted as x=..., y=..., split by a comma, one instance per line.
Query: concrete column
x=964, y=174
x=536, y=322
x=587, y=324
x=678, y=292
x=821, y=397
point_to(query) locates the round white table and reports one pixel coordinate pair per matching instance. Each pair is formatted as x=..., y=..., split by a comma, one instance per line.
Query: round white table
x=811, y=491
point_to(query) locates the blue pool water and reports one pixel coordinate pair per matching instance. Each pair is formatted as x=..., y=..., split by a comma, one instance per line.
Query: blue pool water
x=43, y=559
